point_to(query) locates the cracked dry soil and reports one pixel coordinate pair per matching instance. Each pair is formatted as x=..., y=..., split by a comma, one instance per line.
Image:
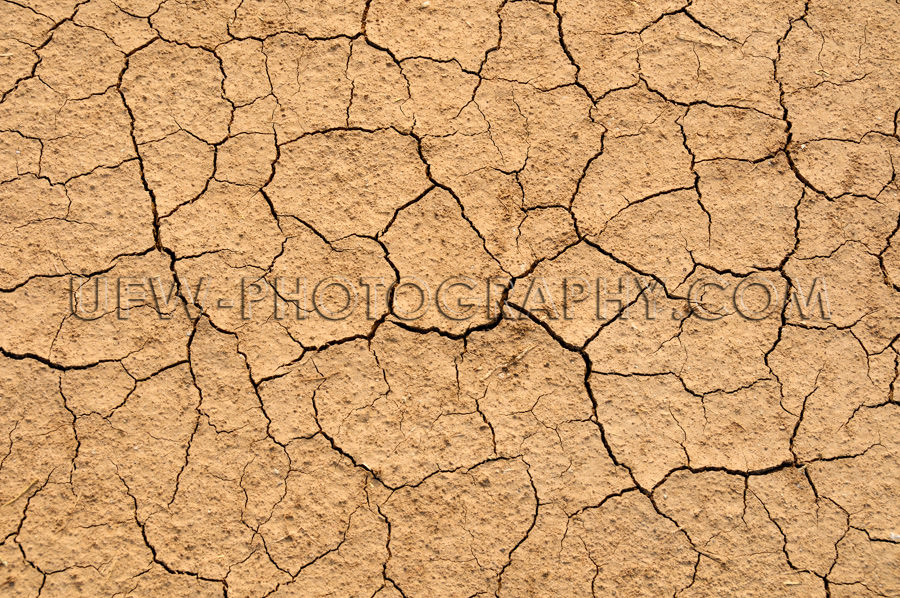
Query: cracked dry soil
x=177, y=448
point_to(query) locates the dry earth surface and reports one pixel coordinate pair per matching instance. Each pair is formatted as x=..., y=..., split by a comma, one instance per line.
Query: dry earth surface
x=732, y=163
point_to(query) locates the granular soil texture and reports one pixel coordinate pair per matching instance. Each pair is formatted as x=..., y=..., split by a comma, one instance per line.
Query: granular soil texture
x=446, y=298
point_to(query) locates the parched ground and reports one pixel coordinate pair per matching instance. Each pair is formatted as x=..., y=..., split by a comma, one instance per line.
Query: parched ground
x=449, y=298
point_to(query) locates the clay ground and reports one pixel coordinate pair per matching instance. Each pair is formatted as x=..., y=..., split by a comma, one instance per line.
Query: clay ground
x=491, y=407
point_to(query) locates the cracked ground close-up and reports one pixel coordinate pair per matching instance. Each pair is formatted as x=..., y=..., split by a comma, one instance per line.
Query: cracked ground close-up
x=446, y=298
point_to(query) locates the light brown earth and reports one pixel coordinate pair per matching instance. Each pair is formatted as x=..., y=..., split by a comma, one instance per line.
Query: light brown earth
x=181, y=447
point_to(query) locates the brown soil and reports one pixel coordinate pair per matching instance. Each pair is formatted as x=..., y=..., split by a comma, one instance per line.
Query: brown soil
x=202, y=431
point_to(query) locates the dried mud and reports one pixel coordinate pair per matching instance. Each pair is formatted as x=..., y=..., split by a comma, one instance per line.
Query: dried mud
x=180, y=448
